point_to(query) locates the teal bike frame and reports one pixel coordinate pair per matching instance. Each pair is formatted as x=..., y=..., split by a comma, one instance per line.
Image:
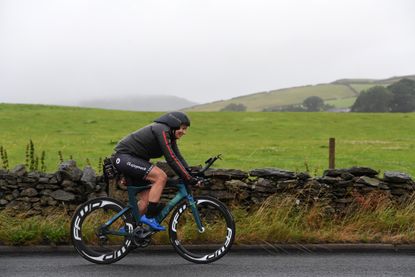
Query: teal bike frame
x=132, y=205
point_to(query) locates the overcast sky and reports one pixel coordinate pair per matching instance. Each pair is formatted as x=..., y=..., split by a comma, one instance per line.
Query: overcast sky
x=54, y=51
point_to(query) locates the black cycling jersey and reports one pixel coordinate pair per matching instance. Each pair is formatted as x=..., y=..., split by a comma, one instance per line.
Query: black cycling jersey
x=154, y=141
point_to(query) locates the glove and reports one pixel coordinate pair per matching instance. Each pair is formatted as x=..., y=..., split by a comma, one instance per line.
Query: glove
x=193, y=181
x=197, y=182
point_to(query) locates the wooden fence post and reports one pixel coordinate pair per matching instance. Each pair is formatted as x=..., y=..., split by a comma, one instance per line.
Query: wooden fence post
x=332, y=153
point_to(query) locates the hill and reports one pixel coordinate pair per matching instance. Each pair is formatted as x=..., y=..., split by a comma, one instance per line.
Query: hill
x=139, y=103
x=340, y=93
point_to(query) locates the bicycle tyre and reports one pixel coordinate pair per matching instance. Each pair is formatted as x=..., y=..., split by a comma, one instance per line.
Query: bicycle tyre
x=210, y=245
x=86, y=221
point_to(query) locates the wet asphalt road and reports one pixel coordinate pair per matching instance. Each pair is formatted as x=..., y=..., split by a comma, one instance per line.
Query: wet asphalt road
x=234, y=264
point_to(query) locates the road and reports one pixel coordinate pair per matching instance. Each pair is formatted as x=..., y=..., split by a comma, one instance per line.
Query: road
x=234, y=264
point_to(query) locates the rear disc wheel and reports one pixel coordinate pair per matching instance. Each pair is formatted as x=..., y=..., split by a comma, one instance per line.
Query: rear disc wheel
x=95, y=243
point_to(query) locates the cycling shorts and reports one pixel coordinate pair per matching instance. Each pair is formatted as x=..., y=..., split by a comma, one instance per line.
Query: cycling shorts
x=134, y=169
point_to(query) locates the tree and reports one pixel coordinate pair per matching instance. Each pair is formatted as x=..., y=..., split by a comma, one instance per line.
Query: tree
x=403, y=96
x=374, y=100
x=313, y=104
x=232, y=107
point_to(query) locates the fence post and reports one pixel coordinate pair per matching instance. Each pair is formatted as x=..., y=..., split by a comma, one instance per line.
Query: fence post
x=332, y=153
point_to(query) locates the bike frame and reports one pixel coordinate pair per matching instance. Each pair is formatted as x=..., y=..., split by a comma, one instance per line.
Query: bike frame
x=183, y=193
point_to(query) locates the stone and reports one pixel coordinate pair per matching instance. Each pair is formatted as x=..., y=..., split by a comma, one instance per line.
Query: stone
x=265, y=185
x=236, y=185
x=226, y=173
x=344, y=184
x=51, y=187
x=16, y=193
x=166, y=168
x=53, y=180
x=40, y=186
x=362, y=171
x=215, y=185
x=19, y=170
x=62, y=195
x=329, y=180
x=11, y=181
x=398, y=191
x=20, y=206
x=35, y=175
x=303, y=176
x=30, y=192
x=396, y=177
x=26, y=185
x=68, y=170
x=368, y=181
x=344, y=200
x=3, y=184
x=44, y=200
x=347, y=176
x=272, y=173
x=383, y=186
x=313, y=184
x=45, y=192
x=222, y=195
x=355, y=171
x=400, y=186
x=333, y=172
x=287, y=185
x=52, y=202
x=3, y=202
x=34, y=199
x=24, y=199
x=89, y=178
x=43, y=180
x=36, y=206
x=265, y=189
x=68, y=184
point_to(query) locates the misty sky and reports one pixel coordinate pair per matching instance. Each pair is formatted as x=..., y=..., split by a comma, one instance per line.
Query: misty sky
x=55, y=51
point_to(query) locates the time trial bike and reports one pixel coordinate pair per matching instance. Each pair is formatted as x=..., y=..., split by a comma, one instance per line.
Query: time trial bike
x=201, y=228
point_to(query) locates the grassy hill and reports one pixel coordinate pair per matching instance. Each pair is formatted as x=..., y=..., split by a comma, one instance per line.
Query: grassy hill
x=295, y=141
x=341, y=93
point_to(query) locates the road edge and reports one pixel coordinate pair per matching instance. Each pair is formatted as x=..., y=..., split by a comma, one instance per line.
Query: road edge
x=257, y=248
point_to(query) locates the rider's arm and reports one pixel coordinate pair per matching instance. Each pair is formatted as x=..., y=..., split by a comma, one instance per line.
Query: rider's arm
x=178, y=154
x=163, y=136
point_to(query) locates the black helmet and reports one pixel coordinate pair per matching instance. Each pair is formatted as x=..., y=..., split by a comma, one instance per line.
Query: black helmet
x=174, y=119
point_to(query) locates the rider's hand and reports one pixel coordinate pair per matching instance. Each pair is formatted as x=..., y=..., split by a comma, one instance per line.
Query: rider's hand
x=196, y=182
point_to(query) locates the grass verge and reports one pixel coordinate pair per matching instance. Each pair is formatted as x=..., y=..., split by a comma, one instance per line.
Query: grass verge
x=371, y=219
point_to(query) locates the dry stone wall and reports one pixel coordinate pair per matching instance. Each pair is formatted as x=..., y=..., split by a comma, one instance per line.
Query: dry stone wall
x=37, y=193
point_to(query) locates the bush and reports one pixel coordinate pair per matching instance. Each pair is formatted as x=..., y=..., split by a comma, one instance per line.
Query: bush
x=232, y=107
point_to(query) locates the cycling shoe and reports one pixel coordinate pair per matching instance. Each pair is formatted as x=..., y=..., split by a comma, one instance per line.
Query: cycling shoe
x=152, y=223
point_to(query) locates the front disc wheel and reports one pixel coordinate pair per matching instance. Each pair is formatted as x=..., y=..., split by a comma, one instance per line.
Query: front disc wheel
x=206, y=245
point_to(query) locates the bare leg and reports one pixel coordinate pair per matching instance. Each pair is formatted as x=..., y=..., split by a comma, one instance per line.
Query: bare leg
x=143, y=203
x=158, y=178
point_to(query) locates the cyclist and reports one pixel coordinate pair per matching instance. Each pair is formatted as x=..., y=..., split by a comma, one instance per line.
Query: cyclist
x=132, y=158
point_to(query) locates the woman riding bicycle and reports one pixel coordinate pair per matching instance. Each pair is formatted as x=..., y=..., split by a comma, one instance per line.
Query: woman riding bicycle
x=133, y=154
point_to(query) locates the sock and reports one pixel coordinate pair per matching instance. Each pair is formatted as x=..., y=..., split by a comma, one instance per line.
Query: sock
x=152, y=210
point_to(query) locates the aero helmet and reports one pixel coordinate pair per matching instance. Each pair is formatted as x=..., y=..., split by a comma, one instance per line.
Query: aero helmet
x=174, y=119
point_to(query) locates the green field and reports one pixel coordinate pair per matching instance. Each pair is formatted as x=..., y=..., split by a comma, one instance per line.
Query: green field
x=294, y=141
